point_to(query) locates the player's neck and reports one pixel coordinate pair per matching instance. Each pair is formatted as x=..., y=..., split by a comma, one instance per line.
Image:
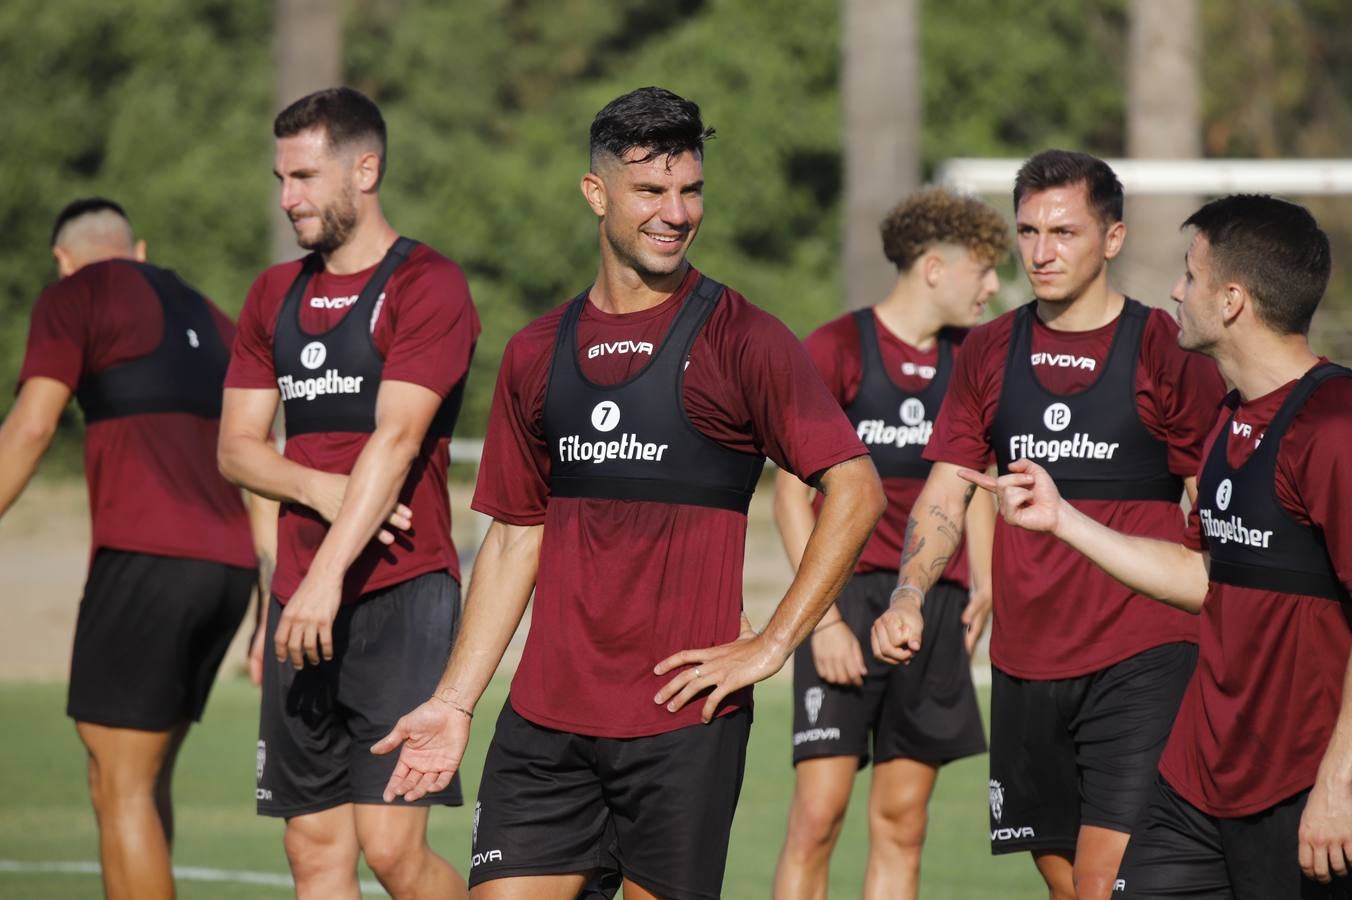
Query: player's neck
x=1095, y=306
x=1265, y=362
x=619, y=289
x=370, y=240
x=910, y=317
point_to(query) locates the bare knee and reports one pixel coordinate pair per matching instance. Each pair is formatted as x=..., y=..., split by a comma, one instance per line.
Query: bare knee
x=814, y=823
x=319, y=851
x=394, y=861
x=1094, y=883
x=900, y=825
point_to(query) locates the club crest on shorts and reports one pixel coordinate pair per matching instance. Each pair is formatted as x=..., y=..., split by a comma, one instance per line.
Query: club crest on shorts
x=997, y=799
x=474, y=829
x=812, y=702
x=260, y=759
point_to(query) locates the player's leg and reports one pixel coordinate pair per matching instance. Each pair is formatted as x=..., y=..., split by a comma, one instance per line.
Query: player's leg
x=124, y=766
x=321, y=848
x=164, y=782
x=535, y=887
x=897, y=815
x=821, y=793
x=1120, y=730
x=394, y=841
x=1176, y=851
x=1058, y=871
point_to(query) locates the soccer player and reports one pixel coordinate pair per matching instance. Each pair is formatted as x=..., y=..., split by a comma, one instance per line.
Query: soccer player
x=366, y=342
x=171, y=563
x=1255, y=784
x=1087, y=675
x=627, y=432
x=888, y=366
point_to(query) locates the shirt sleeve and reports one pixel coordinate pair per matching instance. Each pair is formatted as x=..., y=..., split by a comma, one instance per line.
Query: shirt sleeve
x=251, y=355
x=513, y=482
x=433, y=327
x=1184, y=390
x=962, y=430
x=58, y=334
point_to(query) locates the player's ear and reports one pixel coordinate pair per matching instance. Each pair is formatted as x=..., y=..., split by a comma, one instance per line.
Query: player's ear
x=65, y=263
x=1113, y=239
x=932, y=267
x=138, y=251
x=367, y=170
x=1234, y=301
x=594, y=192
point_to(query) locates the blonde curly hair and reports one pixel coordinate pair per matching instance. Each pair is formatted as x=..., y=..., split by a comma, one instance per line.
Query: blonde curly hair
x=937, y=215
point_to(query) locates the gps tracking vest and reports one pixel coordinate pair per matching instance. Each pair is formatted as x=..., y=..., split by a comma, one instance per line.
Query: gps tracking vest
x=1092, y=443
x=895, y=424
x=1253, y=541
x=184, y=374
x=329, y=381
x=632, y=440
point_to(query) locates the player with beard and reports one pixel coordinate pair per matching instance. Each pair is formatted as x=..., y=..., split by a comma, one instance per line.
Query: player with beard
x=628, y=430
x=887, y=366
x=1254, y=794
x=366, y=342
x=1086, y=674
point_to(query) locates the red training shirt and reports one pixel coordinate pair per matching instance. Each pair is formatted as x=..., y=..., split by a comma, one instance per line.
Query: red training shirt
x=624, y=584
x=836, y=351
x=1260, y=708
x=153, y=482
x=1056, y=614
x=425, y=328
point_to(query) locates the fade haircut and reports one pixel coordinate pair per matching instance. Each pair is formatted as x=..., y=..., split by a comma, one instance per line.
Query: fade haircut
x=938, y=216
x=652, y=119
x=347, y=117
x=82, y=207
x=1067, y=168
x=1275, y=249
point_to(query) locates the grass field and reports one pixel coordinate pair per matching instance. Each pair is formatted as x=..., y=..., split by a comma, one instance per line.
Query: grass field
x=45, y=815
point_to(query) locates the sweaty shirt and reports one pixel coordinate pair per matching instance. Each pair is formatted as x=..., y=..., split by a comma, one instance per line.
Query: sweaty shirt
x=1056, y=614
x=153, y=482
x=624, y=584
x=425, y=329
x=1257, y=716
x=836, y=351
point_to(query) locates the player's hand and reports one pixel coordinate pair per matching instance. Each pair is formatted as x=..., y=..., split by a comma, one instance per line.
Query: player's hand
x=325, y=495
x=305, y=630
x=837, y=655
x=256, y=655
x=431, y=741
x=1027, y=497
x=720, y=670
x=1325, y=834
x=897, y=632
x=975, y=615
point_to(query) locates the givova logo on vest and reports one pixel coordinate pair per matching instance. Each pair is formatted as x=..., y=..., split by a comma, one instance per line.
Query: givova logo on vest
x=1233, y=528
x=914, y=430
x=1078, y=446
x=605, y=418
x=312, y=356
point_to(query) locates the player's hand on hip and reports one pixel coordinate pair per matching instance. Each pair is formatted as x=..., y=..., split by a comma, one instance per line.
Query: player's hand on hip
x=975, y=615
x=325, y=493
x=431, y=741
x=897, y=632
x=837, y=655
x=305, y=629
x=1027, y=497
x=1325, y=834
x=719, y=670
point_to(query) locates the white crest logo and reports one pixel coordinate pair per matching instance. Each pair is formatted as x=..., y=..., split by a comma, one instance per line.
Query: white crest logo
x=313, y=354
x=997, y=799
x=912, y=411
x=260, y=759
x=1057, y=417
x=474, y=832
x=606, y=415
x=1224, y=491
x=192, y=339
x=812, y=702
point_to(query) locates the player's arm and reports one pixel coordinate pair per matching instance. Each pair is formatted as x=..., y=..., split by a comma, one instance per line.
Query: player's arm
x=1171, y=573
x=27, y=432
x=836, y=653
x=854, y=502
x=403, y=413
x=980, y=529
x=432, y=738
x=933, y=535
x=1325, y=833
x=263, y=527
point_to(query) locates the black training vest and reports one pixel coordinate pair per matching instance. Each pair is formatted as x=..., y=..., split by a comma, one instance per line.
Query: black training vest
x=632, y=440
x=1093, y=442
x=329, y=381
x=893, y=423
x=1252, y=539
x=184, y=374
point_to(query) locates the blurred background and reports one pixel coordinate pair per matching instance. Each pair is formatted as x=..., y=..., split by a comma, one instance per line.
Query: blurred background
x=827, y=112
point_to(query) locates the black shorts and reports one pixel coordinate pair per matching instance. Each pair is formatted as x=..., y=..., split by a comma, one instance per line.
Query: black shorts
x=925, y=710
x=1176, y=850
x=317, y=725
x=659, y=808
x=150, y=636
x=1080, y=751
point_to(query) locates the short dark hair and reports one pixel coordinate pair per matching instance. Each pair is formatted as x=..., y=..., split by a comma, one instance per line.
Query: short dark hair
x=651, y=118
x=346, y=115
x=1064, y=168
x=938, y=216
x=1275, y=249
x=83, y=207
